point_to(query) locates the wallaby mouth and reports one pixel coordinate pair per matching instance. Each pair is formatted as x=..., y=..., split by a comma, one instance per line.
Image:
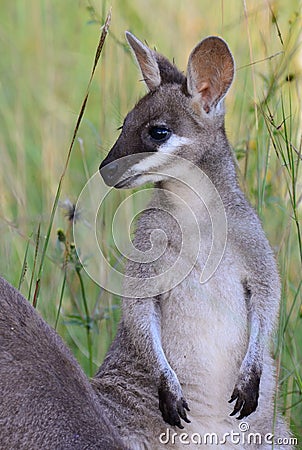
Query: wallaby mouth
x=126, y=182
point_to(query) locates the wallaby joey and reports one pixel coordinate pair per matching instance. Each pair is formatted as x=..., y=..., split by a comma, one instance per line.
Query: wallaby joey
x=193, y=347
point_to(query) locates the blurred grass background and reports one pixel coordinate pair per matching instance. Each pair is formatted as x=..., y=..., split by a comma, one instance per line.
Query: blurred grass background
x=48, y=48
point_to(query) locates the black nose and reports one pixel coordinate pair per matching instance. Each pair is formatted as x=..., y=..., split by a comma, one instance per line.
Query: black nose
x=109, y=172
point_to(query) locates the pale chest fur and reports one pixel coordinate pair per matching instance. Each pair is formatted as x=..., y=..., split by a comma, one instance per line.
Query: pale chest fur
x=204, y=337
x=204, y=326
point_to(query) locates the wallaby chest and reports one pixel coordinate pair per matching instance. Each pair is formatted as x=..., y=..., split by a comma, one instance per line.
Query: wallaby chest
x=202, y=323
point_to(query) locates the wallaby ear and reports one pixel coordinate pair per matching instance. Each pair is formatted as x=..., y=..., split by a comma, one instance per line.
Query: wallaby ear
x=210, y=72
x=146, y=60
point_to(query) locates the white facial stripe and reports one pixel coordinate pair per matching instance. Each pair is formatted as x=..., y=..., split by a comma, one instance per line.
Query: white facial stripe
x=174, y=143
x=148, y=163
x=155, y=159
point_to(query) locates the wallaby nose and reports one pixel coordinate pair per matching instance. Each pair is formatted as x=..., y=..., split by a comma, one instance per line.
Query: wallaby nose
x=109, y=172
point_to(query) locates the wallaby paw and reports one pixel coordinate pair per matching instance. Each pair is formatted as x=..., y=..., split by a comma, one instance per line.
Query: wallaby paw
x=246, y=393
x=172, y=405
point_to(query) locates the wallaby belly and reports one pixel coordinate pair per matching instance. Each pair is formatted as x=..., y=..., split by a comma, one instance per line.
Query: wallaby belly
x=205, y=338
x=204, y=329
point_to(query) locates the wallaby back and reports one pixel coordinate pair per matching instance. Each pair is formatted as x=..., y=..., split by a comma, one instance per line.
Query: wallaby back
x=46, y=401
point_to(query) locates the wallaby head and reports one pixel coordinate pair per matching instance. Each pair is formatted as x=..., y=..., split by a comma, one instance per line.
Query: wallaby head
x=179, y=115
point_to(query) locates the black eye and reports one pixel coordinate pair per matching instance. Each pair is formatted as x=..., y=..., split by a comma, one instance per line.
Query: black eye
x=159, y=133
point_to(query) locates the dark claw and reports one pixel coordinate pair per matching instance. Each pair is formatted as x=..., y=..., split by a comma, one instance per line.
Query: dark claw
x=181, y=410
x=248, y=409
x=246, y=395
x=172, y=410
x=185, y=404
x=234, y=395
x=238, y=406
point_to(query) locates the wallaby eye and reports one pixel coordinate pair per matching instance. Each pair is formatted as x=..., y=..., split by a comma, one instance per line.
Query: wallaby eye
x=159, y=133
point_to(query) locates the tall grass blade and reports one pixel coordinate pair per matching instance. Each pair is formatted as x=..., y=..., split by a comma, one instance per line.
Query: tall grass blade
x=104, y=33
x=35, y=261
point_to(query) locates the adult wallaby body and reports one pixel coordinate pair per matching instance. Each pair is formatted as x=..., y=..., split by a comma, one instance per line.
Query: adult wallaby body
x=46, y=401
x=193, y=347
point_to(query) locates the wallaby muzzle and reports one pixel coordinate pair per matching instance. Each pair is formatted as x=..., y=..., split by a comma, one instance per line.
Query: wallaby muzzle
x=115, y=172
x=110, y=172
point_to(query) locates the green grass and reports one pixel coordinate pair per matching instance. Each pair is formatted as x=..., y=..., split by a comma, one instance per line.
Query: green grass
x=48, y=48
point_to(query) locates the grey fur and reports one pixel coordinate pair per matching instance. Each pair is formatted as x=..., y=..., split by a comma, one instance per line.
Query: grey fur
x=178, y=357
x=46, y=400
x=246, y=284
